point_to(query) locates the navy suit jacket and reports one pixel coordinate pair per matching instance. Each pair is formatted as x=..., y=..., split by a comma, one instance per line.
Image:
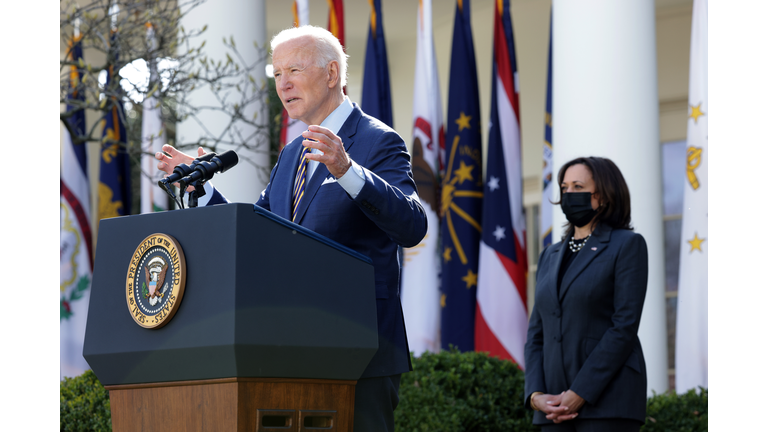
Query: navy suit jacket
x=585, y=339
x=386, y=213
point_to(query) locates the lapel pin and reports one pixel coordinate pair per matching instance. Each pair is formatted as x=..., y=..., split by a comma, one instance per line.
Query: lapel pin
x=594, y=248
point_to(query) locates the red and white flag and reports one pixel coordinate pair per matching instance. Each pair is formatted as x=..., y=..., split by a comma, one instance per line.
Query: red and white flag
x=291, y=128
x=501, y=320
x=420, y=287
x=76, y=250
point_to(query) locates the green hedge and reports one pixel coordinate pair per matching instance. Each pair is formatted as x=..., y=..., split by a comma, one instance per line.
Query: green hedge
x=449, y=391
x=453, y=391
x=84, y=404
x=672, y=412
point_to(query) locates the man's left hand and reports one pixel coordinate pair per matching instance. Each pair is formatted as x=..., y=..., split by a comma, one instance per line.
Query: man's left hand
x=333, y=154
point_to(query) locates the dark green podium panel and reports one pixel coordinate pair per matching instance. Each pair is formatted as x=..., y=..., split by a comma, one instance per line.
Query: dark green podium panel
x=263, y=298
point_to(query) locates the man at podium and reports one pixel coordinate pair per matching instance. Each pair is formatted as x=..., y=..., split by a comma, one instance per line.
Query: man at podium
x=348, y=177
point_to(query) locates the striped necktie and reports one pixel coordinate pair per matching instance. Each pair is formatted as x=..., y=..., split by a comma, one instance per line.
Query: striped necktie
x=301, y=181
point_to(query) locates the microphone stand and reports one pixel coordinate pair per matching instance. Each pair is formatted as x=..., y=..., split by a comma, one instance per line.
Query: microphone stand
x=195, y=194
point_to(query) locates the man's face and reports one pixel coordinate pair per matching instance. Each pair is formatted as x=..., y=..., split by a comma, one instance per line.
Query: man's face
x=302, y=85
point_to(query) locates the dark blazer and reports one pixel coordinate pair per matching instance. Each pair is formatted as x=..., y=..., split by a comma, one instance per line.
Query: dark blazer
x=585, y=339
x=386, y=213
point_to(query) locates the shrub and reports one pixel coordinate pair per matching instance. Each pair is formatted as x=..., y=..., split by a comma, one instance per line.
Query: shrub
x=669, y=412
x=453, y=391
x=84, y=404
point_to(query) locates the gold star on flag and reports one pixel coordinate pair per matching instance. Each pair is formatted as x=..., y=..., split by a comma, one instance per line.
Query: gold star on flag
x=696, y=113
x=696, y=242
x=447, y=254
x=470, y=278
x=464, y=172
x=463, y=121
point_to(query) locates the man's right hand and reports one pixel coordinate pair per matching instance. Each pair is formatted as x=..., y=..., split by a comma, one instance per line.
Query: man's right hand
x=168, y=163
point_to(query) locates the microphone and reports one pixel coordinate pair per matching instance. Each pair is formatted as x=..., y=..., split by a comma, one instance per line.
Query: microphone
x=181, y=171
x=204, y=170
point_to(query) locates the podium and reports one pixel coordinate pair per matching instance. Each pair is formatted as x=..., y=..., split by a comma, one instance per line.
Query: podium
x=275, y=325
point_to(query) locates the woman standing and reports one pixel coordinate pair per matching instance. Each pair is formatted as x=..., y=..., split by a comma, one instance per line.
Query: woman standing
x=584, y=365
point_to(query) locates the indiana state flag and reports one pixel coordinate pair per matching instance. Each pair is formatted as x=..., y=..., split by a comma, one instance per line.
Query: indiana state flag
x=376, y=100
x=502, y=314
x=114, y=173
x=462, y=192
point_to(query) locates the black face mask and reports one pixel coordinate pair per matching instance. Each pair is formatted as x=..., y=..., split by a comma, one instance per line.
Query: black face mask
x=577, y=207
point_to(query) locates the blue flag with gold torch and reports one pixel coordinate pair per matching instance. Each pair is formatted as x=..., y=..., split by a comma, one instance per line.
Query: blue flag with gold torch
x=462, y=191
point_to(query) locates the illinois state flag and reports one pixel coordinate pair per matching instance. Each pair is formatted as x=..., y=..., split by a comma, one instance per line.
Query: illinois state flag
x=501, y=321
x=376, y=100
x=420, y=278
x=691, y=346
x=76, y=250
x=115, y=172
x=462, y=193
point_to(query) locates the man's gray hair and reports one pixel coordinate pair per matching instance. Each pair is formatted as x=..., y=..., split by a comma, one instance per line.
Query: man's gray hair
x=328, y=47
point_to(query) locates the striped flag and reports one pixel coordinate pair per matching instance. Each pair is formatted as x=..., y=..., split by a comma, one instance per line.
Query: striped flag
x=292, y=128
x=153, y=199
x=420, y=286
x=336, y=20
x=115, y=172
x=76, y=249
x=546, y=173
x=376, y=100
x=462, y=193
x=691, y=346
x=502, y=315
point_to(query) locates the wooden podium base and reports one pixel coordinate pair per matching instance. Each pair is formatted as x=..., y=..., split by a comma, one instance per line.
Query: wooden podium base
x=234, y=404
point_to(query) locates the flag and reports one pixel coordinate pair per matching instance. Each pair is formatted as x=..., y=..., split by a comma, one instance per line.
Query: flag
x=76, y=249
x=546, y=173
x=291, y=128
x=336, y=19
x=300, y=13
x=376, y=100
x=501, y=321
x=114, y=173
x=420, y=278
x=691, y=360
x=462, y=193
x=153, y=199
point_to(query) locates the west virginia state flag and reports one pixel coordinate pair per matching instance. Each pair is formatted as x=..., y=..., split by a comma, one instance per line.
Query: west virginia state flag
x=115, y=172
x=502, y=314
x=376, y=100
x=76, y=250
x=462, y=193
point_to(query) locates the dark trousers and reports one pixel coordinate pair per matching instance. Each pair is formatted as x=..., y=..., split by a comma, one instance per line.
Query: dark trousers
x=594, y=425
x=375, y=402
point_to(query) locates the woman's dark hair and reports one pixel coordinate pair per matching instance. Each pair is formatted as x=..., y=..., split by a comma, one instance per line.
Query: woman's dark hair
x=611, y=189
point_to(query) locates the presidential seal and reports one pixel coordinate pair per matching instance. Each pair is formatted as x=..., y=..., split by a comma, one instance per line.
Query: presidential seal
x=155, y=282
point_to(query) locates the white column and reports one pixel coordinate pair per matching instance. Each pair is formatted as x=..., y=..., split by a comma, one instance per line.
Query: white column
x=244, y=20
x=605, y=103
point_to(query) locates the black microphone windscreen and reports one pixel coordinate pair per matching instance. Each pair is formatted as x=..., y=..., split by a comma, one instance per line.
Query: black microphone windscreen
x=228, y=159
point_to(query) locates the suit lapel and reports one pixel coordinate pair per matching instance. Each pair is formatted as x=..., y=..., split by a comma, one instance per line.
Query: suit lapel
x=554, y=270
x=594, y=247
x=347, y=131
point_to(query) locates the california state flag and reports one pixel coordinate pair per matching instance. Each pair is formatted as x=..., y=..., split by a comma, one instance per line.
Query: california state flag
x=420, y=287
x=501, y=320
x=691, y=360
